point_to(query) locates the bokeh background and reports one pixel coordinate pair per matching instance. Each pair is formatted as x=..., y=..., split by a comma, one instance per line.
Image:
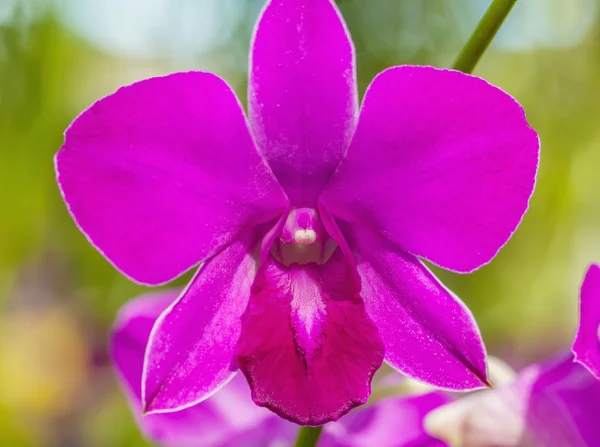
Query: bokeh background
x=58, y=296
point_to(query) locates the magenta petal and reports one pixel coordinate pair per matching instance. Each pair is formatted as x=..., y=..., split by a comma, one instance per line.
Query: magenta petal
x=308, y=349
x=552, y=404
x=587, y=341
x=229, y=416
x=392, y=422
x=442, y=163
x=130, y=336
x=188, y=428
x=147, y=174
x=564, y=405
x=190, y=352
x=302, y=93
x=429, y=334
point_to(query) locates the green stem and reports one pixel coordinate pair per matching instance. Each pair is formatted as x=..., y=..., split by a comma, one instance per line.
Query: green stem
x=485, y=31
x=308, y=436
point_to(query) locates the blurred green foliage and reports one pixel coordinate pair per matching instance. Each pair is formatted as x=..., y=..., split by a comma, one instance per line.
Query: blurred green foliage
x=59, y=296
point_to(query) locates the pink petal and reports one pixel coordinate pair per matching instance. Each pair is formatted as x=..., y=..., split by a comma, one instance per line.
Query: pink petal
x=188, y=428
x=587, y=341
x=555, y=403
x=302, y=93
x=190, y=352
x=564, y=405
x=442, y=163
x=307, y=348
x=163, y=173
x=429, y=334
x=392, y=422
x=228, y=416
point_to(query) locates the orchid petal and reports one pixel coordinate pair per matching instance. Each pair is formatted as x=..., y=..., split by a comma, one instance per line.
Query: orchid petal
x=587, y=341
x=555, y=403
x=302, y=93
x=190, y=352
x=228, y=416
x=307, y=348
x=392, y=422
x=564, y=405
x=442, y=163
x=188, y=428
x=147, y=174
x=429, y=334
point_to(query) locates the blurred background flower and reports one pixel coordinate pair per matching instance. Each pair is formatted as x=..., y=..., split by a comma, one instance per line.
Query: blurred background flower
x=58, y=296
x=550, y=403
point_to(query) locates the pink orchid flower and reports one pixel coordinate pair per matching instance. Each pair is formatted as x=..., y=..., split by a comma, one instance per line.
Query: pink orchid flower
x=586, y=346
x=229, y=418
x=549, y=404
x=309, y=218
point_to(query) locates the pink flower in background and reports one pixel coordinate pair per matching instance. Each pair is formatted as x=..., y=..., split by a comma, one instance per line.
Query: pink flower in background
x=227, y=416
x=309, y=217
x=586, y=347
x=230, y=418
x=552, y=404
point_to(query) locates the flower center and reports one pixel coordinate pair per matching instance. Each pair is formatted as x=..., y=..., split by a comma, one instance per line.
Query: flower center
x=303, y=239
x=305, y=236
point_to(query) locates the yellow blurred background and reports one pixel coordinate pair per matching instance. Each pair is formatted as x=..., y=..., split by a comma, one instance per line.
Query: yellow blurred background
x=58, y=296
